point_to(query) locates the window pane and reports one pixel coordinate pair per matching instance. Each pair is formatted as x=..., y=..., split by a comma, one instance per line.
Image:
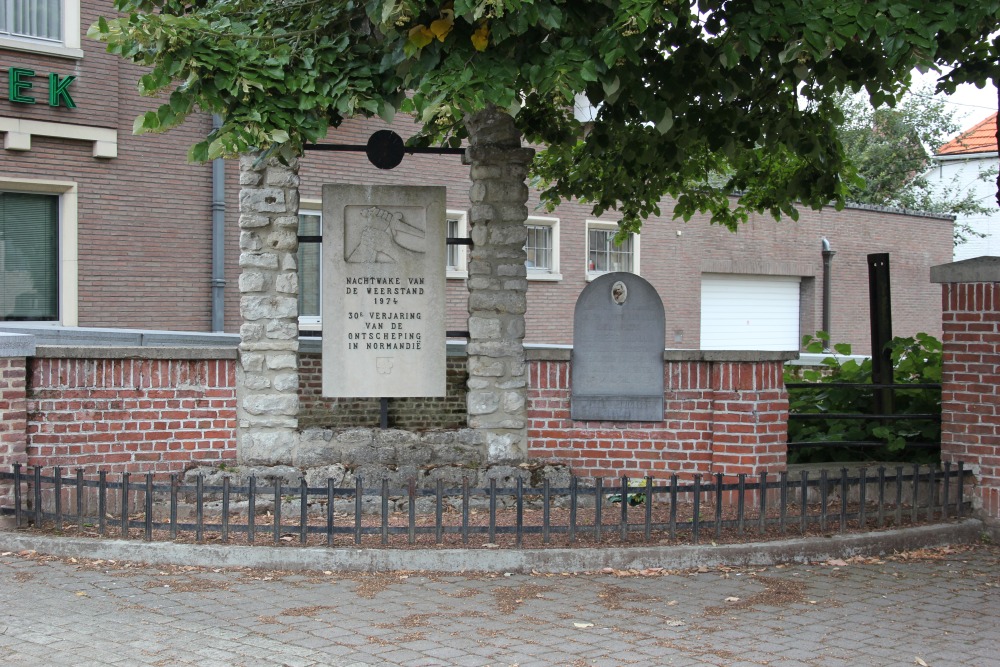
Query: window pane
x=605, y=255
x=310, y=265
x=35, y=18
x=539, y=247
x=29, y=256
x=453, y=250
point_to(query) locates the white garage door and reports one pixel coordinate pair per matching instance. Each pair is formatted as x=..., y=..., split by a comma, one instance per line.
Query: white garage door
x=740, y=312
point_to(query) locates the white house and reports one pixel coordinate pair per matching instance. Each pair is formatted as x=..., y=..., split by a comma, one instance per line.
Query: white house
x=960, y=164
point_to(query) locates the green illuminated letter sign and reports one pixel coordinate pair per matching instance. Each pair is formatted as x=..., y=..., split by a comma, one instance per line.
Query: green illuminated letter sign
x=19, y=84
x=59, y=91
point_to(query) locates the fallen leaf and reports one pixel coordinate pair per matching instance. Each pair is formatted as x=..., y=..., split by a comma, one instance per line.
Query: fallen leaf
x=920, y=662
x=672, y=603
x=82, y=594
x=837, y=562
x=732, y=599
x=583, y=625
x=675, y=624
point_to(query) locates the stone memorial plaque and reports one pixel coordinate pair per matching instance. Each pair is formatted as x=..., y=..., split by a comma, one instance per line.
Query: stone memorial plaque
x=383, y=291
x=617, y=363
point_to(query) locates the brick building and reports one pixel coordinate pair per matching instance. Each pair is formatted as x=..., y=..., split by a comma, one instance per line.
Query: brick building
x=121, y=231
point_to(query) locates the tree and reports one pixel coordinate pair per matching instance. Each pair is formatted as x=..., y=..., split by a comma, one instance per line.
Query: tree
x=891, y=149
x=684, y=89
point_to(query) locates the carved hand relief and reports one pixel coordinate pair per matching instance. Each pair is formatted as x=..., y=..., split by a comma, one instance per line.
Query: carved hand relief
x=376, y=235
x=384, y=365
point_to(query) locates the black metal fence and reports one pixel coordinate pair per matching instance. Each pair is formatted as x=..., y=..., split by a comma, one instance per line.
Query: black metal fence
x=646, y=510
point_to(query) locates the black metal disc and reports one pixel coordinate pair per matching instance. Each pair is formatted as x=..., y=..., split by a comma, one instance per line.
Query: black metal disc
x=385, y=149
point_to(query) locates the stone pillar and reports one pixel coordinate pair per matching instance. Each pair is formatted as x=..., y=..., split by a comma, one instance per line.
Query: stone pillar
x=498, y=284
x=970, y=373
x=267, y=377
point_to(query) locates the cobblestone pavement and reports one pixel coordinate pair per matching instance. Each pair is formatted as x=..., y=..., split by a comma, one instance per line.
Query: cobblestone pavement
x=935, y=607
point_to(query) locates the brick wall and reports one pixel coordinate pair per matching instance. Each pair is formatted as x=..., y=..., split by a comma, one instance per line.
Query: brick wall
x=414, y=414
x=970, y=395
x=725, y=417
x=131, y=413
x=13, y=421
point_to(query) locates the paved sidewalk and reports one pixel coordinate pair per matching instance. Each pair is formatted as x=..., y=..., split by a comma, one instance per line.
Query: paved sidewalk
x=936, y=607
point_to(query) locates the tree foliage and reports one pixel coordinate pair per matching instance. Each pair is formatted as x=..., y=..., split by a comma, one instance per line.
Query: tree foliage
x=685, y=90
x=891, y=148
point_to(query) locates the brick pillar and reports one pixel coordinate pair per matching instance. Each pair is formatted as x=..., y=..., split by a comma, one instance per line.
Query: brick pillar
x=498, y=284
x=750, y=417
x=14, y=350
x=970, y=377
x=267, y=376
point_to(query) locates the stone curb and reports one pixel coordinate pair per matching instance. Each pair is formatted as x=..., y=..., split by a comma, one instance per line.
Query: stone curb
x=797, y=550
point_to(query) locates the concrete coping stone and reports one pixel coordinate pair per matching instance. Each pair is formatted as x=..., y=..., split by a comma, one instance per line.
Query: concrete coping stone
x=16, y=345
x=564, y=353
x=975, y=270
x=128, y=352
x=48, y=334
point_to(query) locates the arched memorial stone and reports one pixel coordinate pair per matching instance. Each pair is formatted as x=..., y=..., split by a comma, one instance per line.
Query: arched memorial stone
x=617, y=363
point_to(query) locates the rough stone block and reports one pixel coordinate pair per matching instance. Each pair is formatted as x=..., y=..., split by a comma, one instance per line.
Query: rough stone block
x=266, y=448
x=271, y=404
x=286, y=381
x=482, y=403
x=252, y=281
x=287, y=283
x=268, y=307
x=279, y=361
x=258, y=260
x=263, y=200
x=251, y=241
x=285, y=240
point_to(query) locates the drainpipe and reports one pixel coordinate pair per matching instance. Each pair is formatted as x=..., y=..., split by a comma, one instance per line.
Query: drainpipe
x=827, y=261
x=218, y=237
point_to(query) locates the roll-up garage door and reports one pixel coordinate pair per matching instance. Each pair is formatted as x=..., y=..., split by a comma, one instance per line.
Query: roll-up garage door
x=742, y=312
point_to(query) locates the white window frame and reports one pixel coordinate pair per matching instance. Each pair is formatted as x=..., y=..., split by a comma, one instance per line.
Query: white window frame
x=611, y=226
x=551, y=273
x=313, y=207
x=68, y=47
x=68, y=245
x=460, y=270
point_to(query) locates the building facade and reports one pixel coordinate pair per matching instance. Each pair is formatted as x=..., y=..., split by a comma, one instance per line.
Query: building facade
x=102, y=228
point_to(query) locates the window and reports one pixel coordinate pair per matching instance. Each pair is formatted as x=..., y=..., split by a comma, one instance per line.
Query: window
x=457, y=228
x=542, y=248
x=46, y=26
x=604, y=255
x=29, y=256
x=310, y=269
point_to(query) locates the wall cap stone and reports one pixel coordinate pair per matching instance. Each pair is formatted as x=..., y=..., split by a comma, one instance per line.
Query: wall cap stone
x=564, y=352
x=16, y=345
x=128, y=352
x=975, y=270
x=46, y=334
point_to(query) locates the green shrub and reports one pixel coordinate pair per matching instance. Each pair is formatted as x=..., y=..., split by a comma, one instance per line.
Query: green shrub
x=915, y=360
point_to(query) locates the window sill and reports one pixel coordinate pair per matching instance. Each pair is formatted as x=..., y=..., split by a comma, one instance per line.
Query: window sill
x=45, y=49
x=456, y=275
x=541, y=276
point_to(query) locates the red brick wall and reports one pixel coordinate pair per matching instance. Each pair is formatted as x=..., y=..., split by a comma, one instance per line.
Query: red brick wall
x=970, y=402
x=13, y=421
x=135, y=415
x=721, y=417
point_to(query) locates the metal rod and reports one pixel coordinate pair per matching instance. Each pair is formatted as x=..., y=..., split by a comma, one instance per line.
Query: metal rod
x=39, y=516
x=741, y=502
x=329, y=511
x=439, y=512
x=465, y=510
x=79, y=499
x=17, y=495
x=647, y=532
x=276, y=524
x=546, y=510
x=102, y=501
x=199, y=508
x=412, y=504
x=173, y=505
x=124, y=505
x=58, y=498
x=843, y=500
x=899, y=495
x=385, y=511
x=696, y=519
x=673, y=506
x=493, y=511
x=251, y=507
x=519, y=528
x=623, y=522
x=358, y=490
x=862, y=497
x=148, y=525
x=572, y=509
x=718, y=505
x=804, y=501
x=881, y=496
x=225, y=509
x=947, y=490
x=303, y=511
x=598, y=500
x=762, y=512
x=783, y=494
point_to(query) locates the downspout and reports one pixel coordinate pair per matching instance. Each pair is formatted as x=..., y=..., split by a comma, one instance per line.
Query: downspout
x=827, y=261
x=218, y=236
